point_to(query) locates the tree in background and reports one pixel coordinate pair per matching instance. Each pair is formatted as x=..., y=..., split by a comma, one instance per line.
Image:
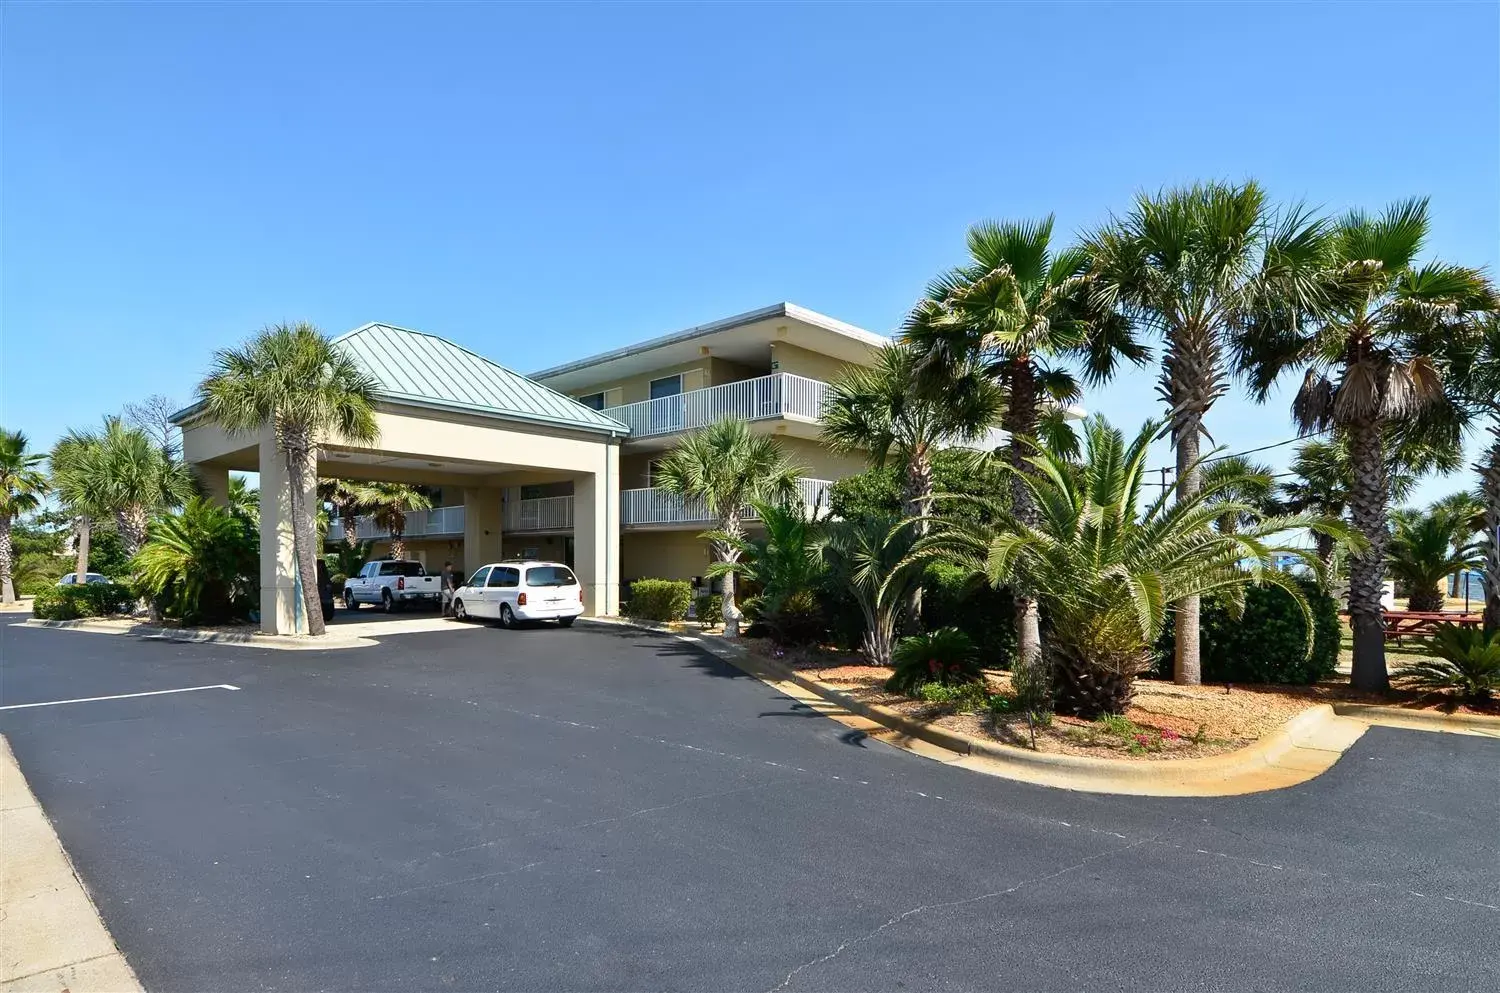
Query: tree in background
x=388, y=504
x=1016, y=309
x=244, y=500
x=1426, y=547
x=1373, y=362
x=1477, y=384
x=136, y=479
x=22, y=486
x=894, y=410
x=1239, y=480
x=76, y=472
x=1193, y=266
x=291, y=378
x=348, y=500
x=153, y=415
x=727, y=468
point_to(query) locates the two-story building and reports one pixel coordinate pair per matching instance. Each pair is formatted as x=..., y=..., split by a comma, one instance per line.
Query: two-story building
x=770, y=367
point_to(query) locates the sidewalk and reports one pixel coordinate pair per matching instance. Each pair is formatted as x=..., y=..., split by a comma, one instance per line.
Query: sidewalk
x=51, y=937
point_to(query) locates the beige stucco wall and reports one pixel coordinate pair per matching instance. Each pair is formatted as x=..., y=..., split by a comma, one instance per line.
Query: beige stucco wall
x=709, y=370
x=790, y=358
x=662, y=555
x=818, y=462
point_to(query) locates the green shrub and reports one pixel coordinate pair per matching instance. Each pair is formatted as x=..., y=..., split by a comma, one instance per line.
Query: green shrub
x=1267, y=644
x=709, y=609
x=955, y=597
x=659, y=599
x=797, y=620
x=965, y=698
x=1465, y=662
x=68, y=603
x=200, y=564
x=944, y=656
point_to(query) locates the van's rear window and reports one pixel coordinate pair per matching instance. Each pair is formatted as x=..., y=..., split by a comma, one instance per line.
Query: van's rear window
x=550, y=575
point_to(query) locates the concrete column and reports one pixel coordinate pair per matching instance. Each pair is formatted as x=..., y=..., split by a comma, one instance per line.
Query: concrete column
x=280, y=609
x=482, y=512
x=596, y=535
x=215, y=482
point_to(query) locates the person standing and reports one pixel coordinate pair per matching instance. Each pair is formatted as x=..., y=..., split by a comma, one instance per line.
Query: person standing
x=449, y=586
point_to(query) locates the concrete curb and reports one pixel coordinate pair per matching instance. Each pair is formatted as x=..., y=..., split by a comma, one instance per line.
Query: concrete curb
x=277, y=642
x=51, y=937
x=1306, y=746
x=1420, y=720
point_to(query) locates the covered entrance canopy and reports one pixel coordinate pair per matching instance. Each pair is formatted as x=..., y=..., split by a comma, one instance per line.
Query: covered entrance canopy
x=447, y=417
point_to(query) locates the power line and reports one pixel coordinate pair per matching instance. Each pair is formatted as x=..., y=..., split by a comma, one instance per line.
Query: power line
x=1249, y=451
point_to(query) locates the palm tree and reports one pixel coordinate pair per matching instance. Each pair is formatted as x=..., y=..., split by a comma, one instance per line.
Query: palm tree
x=1477, y=378
x=348, y=500
x=292, y=379
x=1373, y=366
x=200, y=563
x=882, y=411
x=1238, y=480
x=1108, y=569
x=1017, y=308
x=1427, y=548
x=387, y=504
x=881, y=562
x=1194, y=265
x=727, y=468
x=243, y=500
x=77, y=470
x=22, y=485
x=138, y=478
x=1320, y=483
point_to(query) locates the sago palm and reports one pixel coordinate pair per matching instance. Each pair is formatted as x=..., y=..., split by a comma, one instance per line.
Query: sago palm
x=727, y=467
x=1193, y=266
x=200, y=564
x=1108, y=563
x=1018, y=308
x=388, y=504
x=1373, y=365
x=1425, y=549
x=1477, y=382
x=22, y=486
x=290, y=379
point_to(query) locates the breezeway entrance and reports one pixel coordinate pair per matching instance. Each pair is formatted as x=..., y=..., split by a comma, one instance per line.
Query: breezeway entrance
x=450, y=418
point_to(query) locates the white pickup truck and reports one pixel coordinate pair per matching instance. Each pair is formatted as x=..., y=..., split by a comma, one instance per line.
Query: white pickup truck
x=392, y=584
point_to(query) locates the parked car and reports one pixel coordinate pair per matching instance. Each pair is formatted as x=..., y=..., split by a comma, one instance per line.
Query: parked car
x=391, y=584
x=520, y=590
x=71, y=579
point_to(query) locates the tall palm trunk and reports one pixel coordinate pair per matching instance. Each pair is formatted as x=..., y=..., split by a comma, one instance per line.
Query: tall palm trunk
x=7, y=588
x=917, y=504
x=1367, y=498
x=304, y=532
x=1326, y=547
x=131, y=522
x=83, y=528
x=727, y=552
x=1489, y=488
x=1192, y=378
x=1020, y=421
x=398, y=545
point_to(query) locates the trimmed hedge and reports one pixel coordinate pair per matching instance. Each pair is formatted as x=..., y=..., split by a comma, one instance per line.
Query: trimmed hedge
x=709, y=609
x=659, y=599
x=68, y=603
x=1267, y=644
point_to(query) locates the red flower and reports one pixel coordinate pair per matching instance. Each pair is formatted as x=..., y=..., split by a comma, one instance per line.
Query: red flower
x=934, y=666
x=1170, y=735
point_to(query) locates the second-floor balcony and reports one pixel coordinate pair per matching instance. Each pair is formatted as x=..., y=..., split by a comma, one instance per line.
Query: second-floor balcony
x=780, y=394
x=419, y=524
x=653, y=505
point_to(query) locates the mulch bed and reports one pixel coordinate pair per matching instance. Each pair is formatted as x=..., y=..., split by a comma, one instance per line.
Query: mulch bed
x=1164, y=720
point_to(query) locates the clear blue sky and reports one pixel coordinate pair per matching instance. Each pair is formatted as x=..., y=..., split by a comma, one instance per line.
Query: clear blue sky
x=539, y=183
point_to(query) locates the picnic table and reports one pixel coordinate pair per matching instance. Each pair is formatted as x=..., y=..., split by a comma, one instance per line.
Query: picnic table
x=1420, y=624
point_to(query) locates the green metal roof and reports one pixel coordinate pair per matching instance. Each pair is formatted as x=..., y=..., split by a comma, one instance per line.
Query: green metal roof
x=420, y=368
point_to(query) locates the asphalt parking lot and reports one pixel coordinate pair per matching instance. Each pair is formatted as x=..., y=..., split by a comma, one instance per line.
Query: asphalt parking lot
x=600, y=809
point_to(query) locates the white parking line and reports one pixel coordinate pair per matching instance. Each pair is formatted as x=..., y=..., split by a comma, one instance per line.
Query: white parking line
x=117, y=696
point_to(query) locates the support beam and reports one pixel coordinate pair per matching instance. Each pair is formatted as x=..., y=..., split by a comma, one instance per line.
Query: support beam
x=596, y=535
x=281, y=610
x=482, y=514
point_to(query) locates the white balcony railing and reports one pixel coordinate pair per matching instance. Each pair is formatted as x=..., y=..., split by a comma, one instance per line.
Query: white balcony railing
x=554, y=513
x=419, y=524
x=653, y=505
x=780, y=394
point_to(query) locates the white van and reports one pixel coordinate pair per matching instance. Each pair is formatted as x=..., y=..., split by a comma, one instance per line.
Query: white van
x=520, y=590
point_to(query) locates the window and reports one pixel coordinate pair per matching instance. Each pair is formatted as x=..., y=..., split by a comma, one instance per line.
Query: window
x=505, y=577
x=550, y=575
x=370, y=569
x=594, y=401
x=479, y=576
x=668, y=386
x=402, y=569
x=653, y=472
